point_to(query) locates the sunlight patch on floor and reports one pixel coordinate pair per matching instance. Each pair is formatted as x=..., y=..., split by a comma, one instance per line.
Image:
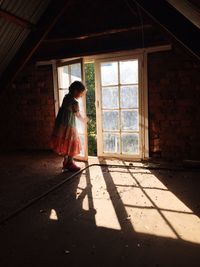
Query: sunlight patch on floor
x=166, y=200
x=85, y=205
x=186, y=225
x=154, y=210
x=53, y=215
x=149, y=221
x=105, y=213
x=148, y=204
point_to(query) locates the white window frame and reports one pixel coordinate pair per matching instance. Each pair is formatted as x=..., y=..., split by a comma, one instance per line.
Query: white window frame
x=143, y=112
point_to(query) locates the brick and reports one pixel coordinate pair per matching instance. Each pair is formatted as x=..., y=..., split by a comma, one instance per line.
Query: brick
x=174, y=93
x=27, y=106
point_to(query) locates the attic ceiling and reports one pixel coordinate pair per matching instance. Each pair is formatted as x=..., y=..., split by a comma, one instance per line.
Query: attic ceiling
x=16, y=20
x=92, y=27
x=188, y=9
x=52, y=29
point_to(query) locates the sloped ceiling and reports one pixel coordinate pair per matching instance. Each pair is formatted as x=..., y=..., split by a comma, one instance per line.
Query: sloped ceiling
x=52, y=29
x=17, y=19
x=174, y=22
x=189, y=9
x=92, y=27
x=24, y=26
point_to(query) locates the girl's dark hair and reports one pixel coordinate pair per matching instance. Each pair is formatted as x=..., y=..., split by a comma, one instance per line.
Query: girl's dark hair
x=76, y=86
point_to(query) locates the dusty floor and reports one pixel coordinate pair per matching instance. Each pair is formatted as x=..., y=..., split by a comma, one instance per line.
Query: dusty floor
x=102, y=217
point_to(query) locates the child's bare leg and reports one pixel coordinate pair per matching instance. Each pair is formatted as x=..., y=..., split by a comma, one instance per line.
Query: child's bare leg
x=68, y=159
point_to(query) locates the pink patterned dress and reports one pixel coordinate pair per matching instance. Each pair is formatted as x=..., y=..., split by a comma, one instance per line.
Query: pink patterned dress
x=65, y=139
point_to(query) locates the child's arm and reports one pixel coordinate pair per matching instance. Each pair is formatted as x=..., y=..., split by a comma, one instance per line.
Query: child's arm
x=80, y=117
x=77, y=113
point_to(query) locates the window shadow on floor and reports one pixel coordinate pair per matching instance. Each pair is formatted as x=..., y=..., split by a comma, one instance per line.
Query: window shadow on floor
x=103, y=218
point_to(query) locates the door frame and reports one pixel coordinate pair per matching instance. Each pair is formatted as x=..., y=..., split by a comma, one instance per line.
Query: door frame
x=58, y=104
x=143, y=103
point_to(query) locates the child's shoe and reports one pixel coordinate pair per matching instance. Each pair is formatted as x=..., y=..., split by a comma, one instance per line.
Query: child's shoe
x=71, y=166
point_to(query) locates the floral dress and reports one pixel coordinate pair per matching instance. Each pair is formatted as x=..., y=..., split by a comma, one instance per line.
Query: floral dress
x=65, y=139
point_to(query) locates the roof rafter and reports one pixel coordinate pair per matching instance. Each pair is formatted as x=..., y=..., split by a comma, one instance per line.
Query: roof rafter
x=17, y=20
x=98, y=34
x=184, y=31
x=46, y=22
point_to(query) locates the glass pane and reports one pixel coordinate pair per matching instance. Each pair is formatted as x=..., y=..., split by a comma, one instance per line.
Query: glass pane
x=76, y=75
x=129, y=120
x=110, y=97
x=81, y=105
x=75, y=72
x=110, y=143
x=110, y=120
x=63, y=77
x=129, y=71
x=109, y=73
x=62, y=93
x=80, y=126
x=82, y=139
x=130, y=143
x=129, y=96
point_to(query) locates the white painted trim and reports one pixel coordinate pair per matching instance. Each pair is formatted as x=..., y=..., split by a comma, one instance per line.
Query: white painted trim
x=123, y=53
x=155, y=49
x=145, y=106
x=88, y=59
x=143, y=119
x=55, y=86
x=98, y=109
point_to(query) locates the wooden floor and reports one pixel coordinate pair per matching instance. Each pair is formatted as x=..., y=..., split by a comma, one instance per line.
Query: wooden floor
x=105, y=216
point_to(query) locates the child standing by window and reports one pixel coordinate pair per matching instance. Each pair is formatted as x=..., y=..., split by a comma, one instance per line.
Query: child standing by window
x=65, y=140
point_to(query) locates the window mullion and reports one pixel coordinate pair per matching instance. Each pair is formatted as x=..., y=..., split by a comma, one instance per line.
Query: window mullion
x=120, y=131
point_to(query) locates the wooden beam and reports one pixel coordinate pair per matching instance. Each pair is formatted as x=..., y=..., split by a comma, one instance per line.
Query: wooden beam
x=91, y=46
x=98, y=34
x=14, y=19
x=46, y=22
x=173, y=22
x=189, y=10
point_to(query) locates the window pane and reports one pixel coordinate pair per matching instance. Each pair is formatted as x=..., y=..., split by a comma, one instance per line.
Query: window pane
x=129, y=96
x=110, y=97
x=62, y=93
x=129, y=120
x=82, y=139
x=80, y=126
x=109, y=73
x=75, y=72
x=130, y=143
x=81, y=105
x=110, y=143
x=63, y=77
x=129, y=72
x=110, y=120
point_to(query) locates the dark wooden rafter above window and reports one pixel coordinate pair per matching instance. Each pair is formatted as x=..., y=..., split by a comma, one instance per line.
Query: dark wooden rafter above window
x=98, y=34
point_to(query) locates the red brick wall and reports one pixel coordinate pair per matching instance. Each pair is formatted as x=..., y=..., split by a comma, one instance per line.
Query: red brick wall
x=27, y=110
x=174, y=105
